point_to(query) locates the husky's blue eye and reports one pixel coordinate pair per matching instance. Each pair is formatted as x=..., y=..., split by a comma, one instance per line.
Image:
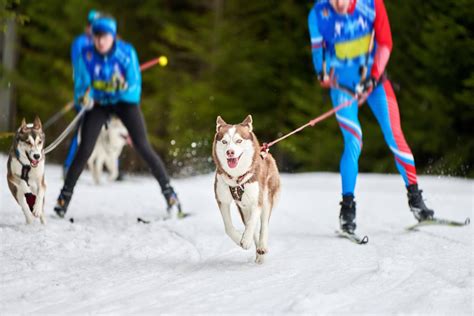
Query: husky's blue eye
x=238, y=141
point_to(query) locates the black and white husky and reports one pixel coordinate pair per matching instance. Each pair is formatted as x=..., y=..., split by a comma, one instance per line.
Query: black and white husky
x=25, y=170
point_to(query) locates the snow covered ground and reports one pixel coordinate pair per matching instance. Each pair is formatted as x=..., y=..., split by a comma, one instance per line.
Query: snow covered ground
x=105, y=262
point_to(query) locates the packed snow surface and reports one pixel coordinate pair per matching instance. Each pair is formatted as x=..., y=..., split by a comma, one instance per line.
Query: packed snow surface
x=106, y=262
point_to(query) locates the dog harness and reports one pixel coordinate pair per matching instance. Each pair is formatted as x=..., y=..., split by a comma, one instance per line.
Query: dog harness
x=238, y=191
x=25, y=176
x=25, y=169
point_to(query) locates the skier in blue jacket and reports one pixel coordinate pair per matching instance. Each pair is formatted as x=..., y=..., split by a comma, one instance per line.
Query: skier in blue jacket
x=351, y=43
x=78, y=44
x=107, y=80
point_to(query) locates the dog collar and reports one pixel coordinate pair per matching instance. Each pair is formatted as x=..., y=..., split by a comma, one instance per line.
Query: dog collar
x=240, y=180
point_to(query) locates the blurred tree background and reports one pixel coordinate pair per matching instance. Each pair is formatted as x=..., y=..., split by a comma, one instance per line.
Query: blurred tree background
x=232, y=58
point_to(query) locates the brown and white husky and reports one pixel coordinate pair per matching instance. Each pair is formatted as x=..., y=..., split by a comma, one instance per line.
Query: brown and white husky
x=25, y=170
x=243, y=177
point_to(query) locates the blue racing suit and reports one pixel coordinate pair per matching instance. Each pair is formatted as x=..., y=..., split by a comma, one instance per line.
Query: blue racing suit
x=343, y=43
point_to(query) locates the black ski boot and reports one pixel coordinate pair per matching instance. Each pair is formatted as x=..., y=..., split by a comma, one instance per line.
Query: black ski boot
x=348, y=214
x=417, y=205
x=63, y=202
x=172, y=201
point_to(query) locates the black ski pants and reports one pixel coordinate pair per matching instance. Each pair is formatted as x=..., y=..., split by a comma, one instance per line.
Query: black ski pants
x=132, y=117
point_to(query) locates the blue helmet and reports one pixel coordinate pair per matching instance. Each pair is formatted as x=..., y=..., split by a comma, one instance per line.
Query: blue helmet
x=104, y=24
x=93, y=14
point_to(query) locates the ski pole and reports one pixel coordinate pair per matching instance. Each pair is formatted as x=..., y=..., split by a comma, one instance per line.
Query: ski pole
x=162, y=60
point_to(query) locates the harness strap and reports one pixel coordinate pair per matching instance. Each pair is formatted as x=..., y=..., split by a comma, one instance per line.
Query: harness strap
x=237, y=192
x=25, y=171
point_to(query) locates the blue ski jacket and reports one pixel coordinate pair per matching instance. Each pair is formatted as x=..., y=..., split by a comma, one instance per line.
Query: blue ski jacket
x=113, y=78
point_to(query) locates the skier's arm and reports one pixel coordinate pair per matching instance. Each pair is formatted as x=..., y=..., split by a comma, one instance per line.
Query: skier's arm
x=76, y=47
x=316, y=42
x=133, y=78
x=383, y=38
x=82, y=80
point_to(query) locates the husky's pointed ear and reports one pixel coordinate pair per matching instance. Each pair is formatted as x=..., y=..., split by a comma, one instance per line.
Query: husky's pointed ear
x=248, y=122
x=23, y=124
x=37, y=123
x=219, y=123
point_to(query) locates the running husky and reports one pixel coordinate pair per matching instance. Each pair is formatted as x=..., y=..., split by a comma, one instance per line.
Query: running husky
x=107, y=150
x=25, y=170
x=242, y=176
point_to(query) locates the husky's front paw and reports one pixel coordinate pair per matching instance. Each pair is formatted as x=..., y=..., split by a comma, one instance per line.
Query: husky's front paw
x=246, y=241
x=262, y=251
x=29, y=220
x=260, y=259
x=42, y=219
x=37, y=210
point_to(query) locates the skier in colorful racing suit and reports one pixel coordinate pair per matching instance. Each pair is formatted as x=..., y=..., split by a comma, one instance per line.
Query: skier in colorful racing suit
x=107, y=81
x=351, y=44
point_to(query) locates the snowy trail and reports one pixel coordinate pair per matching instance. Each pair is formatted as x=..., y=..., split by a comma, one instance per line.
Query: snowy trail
x=105, y=262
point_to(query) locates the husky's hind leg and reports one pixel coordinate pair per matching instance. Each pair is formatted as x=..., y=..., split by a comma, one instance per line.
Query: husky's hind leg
x=262, y=247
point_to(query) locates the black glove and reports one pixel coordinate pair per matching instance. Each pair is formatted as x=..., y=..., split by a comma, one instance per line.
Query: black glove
x=366, y=86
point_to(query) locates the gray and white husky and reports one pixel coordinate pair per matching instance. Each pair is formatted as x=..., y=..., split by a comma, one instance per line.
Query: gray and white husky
x=25, y=170
x=248, y=180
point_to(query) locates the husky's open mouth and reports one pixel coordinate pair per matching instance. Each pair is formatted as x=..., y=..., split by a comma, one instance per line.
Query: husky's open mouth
x=33, y=162
x=233, y=162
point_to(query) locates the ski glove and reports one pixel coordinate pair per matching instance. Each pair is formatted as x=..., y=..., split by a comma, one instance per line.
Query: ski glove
x=87, y=102
x=326, y=81
x=366, y=86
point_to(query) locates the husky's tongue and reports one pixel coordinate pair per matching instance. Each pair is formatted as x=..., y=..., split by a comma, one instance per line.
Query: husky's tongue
x=232, y=162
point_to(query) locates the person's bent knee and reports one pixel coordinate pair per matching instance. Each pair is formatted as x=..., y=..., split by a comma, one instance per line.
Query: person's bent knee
x=353, y=146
